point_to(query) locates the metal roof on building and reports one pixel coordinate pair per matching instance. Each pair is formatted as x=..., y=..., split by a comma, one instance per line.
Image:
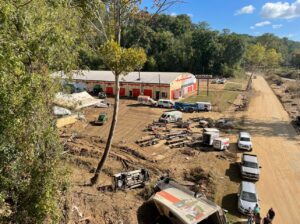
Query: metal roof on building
x=143, y=77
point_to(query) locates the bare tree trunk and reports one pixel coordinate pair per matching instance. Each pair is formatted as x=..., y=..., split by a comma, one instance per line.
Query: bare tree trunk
x=101, y=163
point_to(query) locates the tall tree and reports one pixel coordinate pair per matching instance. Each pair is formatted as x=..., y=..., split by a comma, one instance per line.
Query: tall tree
x=36, y=37
x=108, y=19
x=120, y=61
x=272, y=60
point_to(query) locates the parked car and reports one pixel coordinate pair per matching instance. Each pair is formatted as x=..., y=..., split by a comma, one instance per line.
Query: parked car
x=165, y=103
x=250, y=167
x=178, y=205
x=102, y=95
x=244, y=141
x=146, y=100
x=102, y=119
x=170, y=117
x=193, y=107
x=247, y=197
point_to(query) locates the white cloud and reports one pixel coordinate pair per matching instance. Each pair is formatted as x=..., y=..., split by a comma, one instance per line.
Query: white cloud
x=190, y=15
x=249, y=9
x=173, y=14
x=281, y=10
x=260, y=24
x=277, y=26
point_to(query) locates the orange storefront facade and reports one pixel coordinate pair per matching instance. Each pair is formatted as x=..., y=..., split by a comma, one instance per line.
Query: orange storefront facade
x=180, y=86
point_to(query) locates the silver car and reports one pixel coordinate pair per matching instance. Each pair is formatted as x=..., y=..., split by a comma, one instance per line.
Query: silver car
x=247, y=197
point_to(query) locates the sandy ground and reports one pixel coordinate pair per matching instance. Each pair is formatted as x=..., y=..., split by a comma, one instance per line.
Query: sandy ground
x=278, y=149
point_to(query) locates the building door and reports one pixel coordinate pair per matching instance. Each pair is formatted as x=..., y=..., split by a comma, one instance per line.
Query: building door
x=135, y=92
x=157, y=93
x=148, y=92
x=130, y=93
x=122, y=91
x=109, y=90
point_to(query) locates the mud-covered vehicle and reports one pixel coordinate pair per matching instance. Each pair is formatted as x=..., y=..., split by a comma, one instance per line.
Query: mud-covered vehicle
x=131, y=179
x=101, y=120
x=178, y=205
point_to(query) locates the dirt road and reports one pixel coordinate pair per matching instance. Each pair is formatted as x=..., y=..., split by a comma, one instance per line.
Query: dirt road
x=278, y=147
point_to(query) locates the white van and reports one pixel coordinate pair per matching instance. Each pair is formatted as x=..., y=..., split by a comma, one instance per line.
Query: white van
x=170, y=117
x=204, y=106
x=165, y=103
x=146, y=100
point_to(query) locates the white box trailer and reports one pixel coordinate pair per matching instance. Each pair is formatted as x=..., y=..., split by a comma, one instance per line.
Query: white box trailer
x=209, y=135
x=221, y=143
x=180, y=205
x=170, y=116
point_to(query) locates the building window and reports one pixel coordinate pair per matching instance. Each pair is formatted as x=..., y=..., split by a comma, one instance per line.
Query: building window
x=164, y=95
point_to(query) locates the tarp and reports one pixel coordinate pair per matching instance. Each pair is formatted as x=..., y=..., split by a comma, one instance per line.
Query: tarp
x=75, y=101
x=60, y=111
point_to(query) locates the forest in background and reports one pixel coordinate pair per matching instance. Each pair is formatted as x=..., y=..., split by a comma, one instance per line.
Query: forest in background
x=176, y=44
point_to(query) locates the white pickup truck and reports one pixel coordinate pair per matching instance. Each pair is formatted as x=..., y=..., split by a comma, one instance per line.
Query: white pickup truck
x=250, y=168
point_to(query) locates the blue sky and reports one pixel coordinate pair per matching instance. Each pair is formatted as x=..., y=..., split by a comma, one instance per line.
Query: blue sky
x=253, y=17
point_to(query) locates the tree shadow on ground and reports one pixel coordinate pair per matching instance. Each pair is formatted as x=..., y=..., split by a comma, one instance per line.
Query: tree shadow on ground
x=275, y=128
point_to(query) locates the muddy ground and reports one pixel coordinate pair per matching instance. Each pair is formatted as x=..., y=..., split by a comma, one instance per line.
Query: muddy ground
x=275, y=142
x=289, y=99
x=100, y=205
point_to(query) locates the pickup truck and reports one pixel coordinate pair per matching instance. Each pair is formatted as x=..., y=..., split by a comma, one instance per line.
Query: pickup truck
x=193, y=107
x=250, y=167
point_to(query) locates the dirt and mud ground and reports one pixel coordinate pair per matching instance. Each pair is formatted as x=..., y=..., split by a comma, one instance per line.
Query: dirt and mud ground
x=275, y=142
x=289, y=99
x=89, y=203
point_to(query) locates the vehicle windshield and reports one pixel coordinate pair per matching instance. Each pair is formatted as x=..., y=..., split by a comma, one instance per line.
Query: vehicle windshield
x=245, y=139
x=250, y=197
x=250, y=164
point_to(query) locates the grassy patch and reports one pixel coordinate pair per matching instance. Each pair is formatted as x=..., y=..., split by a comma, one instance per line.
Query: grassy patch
x=233, y=86
x=220, y=100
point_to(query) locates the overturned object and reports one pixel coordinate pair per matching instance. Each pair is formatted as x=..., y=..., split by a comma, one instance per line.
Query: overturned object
x=132, y=179
x=180, y=205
